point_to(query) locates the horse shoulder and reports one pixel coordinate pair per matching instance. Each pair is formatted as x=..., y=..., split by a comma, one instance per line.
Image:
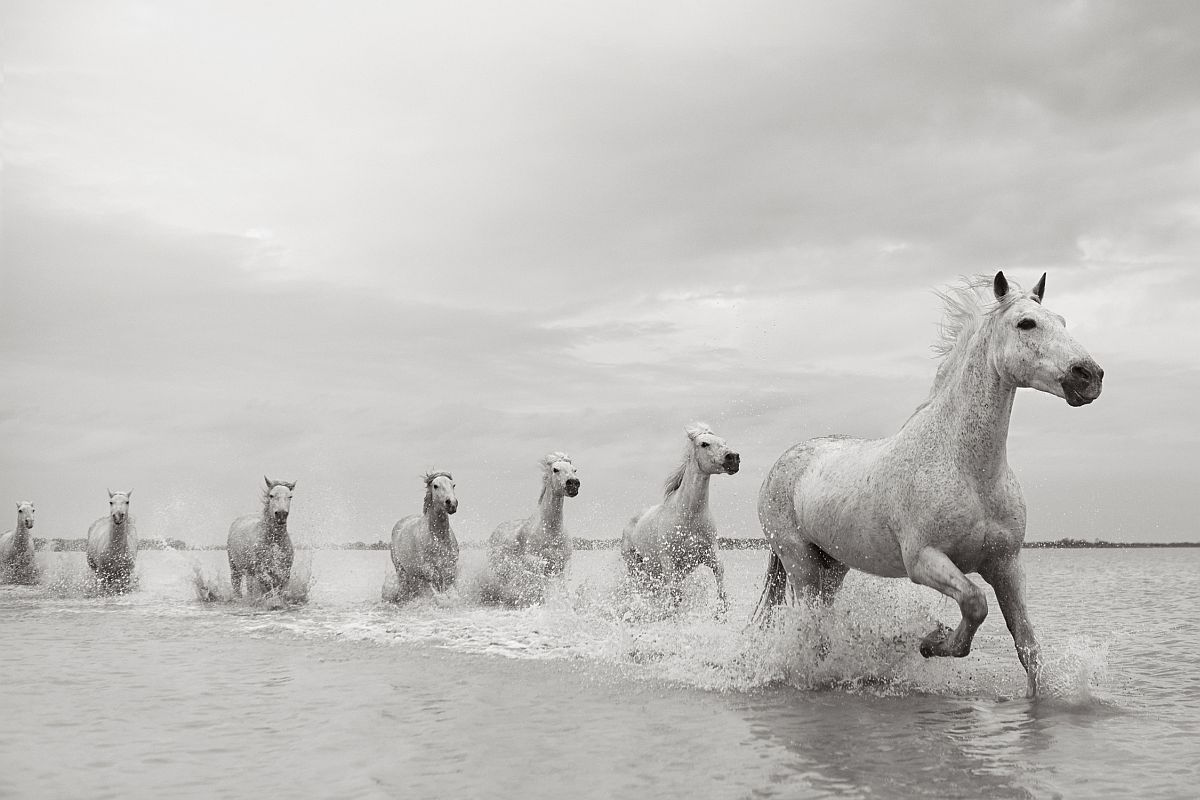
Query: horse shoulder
x=6, y=545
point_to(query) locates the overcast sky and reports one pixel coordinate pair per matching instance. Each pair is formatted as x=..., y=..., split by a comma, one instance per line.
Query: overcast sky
x=344, y=243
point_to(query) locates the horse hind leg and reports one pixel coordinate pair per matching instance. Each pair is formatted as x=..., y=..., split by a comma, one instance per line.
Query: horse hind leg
x=933, y=568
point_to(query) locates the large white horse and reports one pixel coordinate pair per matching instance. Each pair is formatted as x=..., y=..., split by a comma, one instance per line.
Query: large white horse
x=16, y=549
x=523, y=552
x=665, y=543
x=937, y=499
x=424, y=550
x=112, y=544
x=260, y=550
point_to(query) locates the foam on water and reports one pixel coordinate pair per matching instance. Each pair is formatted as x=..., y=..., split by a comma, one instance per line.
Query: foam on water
x=865, y=642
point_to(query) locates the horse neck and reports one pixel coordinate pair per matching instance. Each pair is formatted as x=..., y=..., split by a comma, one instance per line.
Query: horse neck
x=549, y=519
x=972, y=411
x=691, y=498
x=439, y=521
x=118, y=532
x=20, y=533
x=272, y=530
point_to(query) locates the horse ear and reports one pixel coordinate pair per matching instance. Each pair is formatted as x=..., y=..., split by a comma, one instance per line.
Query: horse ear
x=110, y=493
x=270, y=485
x=290, y=486
x=1000, y=285
x=1039, y=289
x=129, y=495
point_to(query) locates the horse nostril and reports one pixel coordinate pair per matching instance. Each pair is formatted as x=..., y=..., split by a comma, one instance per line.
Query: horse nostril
x=1081, y=372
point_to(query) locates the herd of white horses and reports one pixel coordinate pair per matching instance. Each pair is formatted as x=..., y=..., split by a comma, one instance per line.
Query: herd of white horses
x=933, y=502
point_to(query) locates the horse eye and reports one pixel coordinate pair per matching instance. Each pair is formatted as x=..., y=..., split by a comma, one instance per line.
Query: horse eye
x=556, y=470
x=704, y=444
x=1026, y=324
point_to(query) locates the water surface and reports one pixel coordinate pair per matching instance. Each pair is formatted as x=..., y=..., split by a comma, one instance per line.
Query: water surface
x=597, y=693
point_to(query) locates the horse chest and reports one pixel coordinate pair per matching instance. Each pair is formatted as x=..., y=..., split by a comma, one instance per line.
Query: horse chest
x=271, y=555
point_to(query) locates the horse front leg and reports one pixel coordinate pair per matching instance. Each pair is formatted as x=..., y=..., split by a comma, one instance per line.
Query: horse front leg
x=933, y=568
x=1008, y=579
x=718, y=570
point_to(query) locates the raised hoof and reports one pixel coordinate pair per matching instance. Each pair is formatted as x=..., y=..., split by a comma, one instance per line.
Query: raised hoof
x=934, y=643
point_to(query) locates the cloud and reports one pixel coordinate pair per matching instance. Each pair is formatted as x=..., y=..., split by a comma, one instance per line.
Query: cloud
x=387, y=239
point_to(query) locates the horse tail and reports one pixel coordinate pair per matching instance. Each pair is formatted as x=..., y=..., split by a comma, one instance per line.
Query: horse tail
x=774, y=590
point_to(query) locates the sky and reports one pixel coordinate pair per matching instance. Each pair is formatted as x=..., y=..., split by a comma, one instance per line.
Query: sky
x=347, y=243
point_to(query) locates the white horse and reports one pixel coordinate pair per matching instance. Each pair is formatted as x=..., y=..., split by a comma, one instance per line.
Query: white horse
x=424, y=550
x=523, y=552
x=259, y=548
x=16, y=549
x=937, y=499
x=112, y=544
x=665, y=543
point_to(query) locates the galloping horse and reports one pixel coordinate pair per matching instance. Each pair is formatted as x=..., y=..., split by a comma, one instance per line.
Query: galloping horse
x=424, y=550
x=937, y=499
x=16, y=549
x=260, y=550
x=537, y=546
x=112, y=544
x=662, y=545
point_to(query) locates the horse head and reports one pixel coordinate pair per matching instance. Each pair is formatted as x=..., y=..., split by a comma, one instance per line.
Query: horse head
x=439, y=492
x=713, y=456
x=1032, y=348
x=25, y=512
x=118, y=505
x=561, y=474
x=278, y=500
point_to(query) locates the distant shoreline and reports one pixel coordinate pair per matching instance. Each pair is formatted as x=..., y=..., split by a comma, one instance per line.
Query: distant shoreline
x=724, y=543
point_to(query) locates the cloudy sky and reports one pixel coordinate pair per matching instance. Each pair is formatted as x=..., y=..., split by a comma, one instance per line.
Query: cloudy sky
x=344, y=243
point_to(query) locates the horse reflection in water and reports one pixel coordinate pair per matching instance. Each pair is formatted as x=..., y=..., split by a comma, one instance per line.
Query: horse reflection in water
x=937, y=499
x=524, y=553
x=260, y=549
x=424, y=550
x=17, y=564
x=112, y=545
x=665, y=543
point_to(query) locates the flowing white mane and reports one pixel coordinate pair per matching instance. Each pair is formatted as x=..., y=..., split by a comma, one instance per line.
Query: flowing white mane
x=675, y=479
x=966, y=306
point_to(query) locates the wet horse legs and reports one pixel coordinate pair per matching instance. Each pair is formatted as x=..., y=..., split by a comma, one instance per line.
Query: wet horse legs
x=1008, y=579
x=718, y=571
x=933, y=568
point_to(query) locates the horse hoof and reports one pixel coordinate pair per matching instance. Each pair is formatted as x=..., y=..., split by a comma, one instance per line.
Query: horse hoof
x=934, y=643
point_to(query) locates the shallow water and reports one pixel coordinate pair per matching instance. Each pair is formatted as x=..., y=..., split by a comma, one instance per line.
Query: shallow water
x=597, y=693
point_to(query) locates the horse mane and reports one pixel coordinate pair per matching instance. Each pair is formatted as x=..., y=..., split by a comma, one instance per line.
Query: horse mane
x=966, y=308
x=429, y=478
x=547, y=463
x=675, y=479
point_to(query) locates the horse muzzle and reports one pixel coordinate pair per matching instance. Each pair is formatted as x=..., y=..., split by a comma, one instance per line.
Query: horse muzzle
x=1082, y=383
x=732, y=463
x=572, y=487
x=28, y=524
x=118, y=518
x=451, y=506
